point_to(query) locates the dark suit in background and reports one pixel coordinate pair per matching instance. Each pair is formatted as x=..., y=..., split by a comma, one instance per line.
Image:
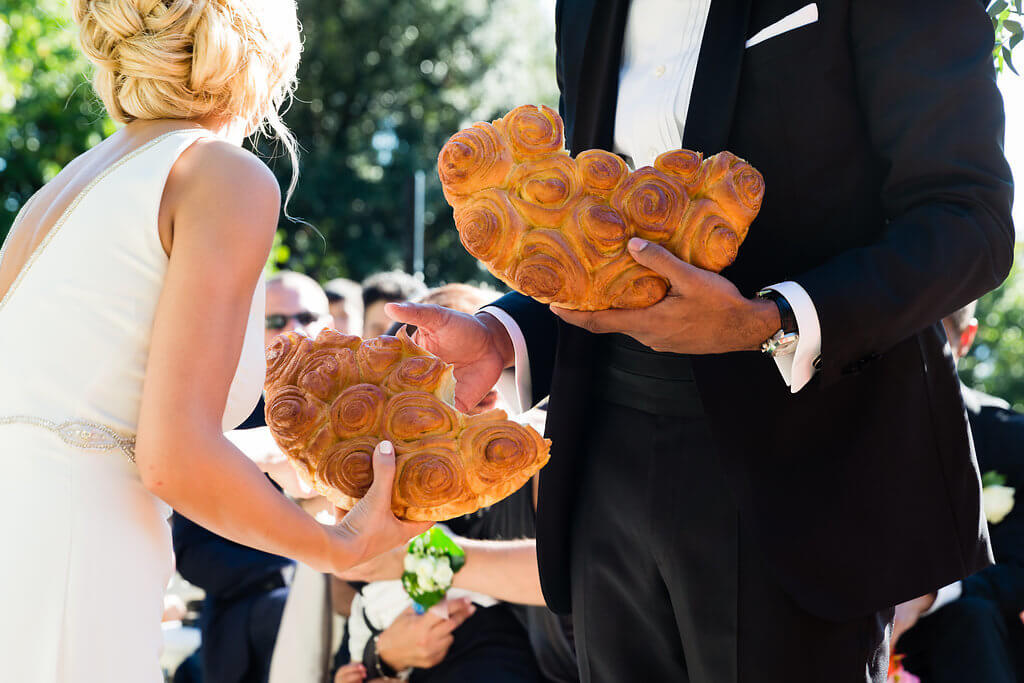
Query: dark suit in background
x=245, y=595
x=878, y=130
x=980, y=637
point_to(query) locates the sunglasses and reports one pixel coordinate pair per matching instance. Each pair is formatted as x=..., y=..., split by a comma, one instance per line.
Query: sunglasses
x=278, y=321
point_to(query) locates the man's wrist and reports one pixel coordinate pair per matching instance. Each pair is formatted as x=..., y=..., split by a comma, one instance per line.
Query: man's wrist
x=499, y=337
x=927, y=601
x=765, y=321
x=390, y=661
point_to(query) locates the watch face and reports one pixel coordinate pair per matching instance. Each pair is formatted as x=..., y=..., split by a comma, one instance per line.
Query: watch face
x=786, y=345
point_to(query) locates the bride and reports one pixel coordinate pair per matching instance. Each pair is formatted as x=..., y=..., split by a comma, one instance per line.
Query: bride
x=131, y=312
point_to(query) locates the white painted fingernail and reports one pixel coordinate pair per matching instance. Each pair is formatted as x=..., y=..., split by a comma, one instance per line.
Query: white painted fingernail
x=386, y=448
x=636, y=244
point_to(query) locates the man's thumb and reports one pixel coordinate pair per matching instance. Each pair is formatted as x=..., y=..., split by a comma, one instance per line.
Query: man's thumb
x=427, y=316
x=654, y=256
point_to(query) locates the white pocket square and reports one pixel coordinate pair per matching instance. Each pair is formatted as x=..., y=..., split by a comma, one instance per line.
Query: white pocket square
x=801, y=17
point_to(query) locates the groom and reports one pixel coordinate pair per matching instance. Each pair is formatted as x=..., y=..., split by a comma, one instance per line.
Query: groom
x=711, y=512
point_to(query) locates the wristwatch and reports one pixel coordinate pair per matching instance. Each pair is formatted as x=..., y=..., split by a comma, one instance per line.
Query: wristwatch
x=783, y=342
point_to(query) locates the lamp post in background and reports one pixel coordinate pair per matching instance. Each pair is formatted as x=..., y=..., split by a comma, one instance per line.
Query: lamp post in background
x=418, y=227
x=385, y=142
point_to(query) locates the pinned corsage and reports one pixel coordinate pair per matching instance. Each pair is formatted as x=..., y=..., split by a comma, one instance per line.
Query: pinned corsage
x=996, y=496
x=430, y=566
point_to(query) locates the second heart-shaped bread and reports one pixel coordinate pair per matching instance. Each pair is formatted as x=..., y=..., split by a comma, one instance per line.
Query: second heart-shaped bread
x=555, y=228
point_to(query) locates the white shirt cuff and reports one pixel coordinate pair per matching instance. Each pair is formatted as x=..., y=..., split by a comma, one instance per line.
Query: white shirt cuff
x=797, y=368
x=944, y=596
x=522, y=357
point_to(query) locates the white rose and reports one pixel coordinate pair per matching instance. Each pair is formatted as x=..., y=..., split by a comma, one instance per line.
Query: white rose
x=443, y=572
x=998, y=501
x=425, y=571
x=409, y=564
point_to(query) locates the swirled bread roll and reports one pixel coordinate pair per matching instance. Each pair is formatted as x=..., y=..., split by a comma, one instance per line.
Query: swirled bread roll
x=331, y=400
x=555, y=228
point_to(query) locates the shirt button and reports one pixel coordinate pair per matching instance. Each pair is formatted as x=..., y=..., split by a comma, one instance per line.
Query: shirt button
x=660, y=71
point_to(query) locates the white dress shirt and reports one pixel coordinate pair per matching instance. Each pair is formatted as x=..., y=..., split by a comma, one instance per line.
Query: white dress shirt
x=944, y=596
x=659, y=62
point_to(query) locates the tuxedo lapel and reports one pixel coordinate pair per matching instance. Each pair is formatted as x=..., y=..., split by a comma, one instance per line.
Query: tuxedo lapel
x=713, y=99
x=592, y=33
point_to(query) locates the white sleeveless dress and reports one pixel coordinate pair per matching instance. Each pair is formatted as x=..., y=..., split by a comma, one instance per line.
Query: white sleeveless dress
x=85, y=549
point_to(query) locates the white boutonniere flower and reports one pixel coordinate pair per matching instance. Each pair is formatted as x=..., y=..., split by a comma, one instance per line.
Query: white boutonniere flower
x=430, y=564
x=996, y=496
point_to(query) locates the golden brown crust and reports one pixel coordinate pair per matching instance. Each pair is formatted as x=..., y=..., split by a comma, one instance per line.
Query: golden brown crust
x=292, y=412
x=652, y=203
x=555, y=228
x=684, y=165
x=327, y=370
x=545, y=190
x=601, y=171
x=533, y=132
x=474, y=159
x=348, y=466
x=491, y=227
x=328, y=418
x=548, y=269
x=284, y=355
x=358, y=411
x=412, y=415
x=624, y=283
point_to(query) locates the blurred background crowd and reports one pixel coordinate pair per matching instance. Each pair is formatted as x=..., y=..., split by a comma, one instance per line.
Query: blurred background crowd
x=382, y=86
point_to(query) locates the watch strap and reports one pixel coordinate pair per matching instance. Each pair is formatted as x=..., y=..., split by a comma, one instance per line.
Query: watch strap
x=375, y=663
x=786, y=313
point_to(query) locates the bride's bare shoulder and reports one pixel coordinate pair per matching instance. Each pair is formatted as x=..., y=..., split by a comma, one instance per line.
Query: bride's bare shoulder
x=214, y=164
x=214, y=179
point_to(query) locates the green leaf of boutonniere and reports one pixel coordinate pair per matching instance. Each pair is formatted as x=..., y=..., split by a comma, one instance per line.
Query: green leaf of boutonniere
x=993, y=478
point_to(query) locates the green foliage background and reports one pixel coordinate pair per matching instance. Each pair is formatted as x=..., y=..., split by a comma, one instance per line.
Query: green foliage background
x=421, y=69
x=48, y=113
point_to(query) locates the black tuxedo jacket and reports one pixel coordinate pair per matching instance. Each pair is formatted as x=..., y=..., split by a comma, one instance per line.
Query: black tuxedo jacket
x=879, y=133
x=998, y=435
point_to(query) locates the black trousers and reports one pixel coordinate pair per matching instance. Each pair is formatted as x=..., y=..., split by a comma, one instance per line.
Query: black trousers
x=666, y=584
x=970, y=639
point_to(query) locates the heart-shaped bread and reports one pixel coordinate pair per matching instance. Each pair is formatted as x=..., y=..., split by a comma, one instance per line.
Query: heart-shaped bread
x=331, y=400
x=555, y=228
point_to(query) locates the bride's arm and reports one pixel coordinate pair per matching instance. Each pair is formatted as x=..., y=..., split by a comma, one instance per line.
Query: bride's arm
x=224, y=206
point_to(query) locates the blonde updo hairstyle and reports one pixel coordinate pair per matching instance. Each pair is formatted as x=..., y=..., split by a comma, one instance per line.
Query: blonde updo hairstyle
x=193, y=59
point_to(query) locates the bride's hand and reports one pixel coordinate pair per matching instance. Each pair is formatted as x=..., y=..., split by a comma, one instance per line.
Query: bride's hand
x=370, y=527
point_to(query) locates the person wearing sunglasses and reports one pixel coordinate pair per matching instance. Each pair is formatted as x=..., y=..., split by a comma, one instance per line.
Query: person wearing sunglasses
x=295, y=302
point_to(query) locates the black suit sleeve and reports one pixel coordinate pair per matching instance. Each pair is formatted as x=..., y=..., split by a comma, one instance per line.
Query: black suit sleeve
x=540, y=328
x=927, y=88
x=1001, y=583
x=214, y=563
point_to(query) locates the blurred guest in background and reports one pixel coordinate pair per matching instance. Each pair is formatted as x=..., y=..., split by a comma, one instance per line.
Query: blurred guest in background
x=384, y=288
x=346, y=302
x=971, y=630
x=295, y=302
x=246, y=588
x=460, y=297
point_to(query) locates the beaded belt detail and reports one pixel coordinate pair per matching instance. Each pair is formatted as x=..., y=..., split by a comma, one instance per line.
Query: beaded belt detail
x=80, y=434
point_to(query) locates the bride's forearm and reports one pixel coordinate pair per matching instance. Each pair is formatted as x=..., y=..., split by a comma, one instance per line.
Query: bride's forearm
x=505, y=570
x=212, y=483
